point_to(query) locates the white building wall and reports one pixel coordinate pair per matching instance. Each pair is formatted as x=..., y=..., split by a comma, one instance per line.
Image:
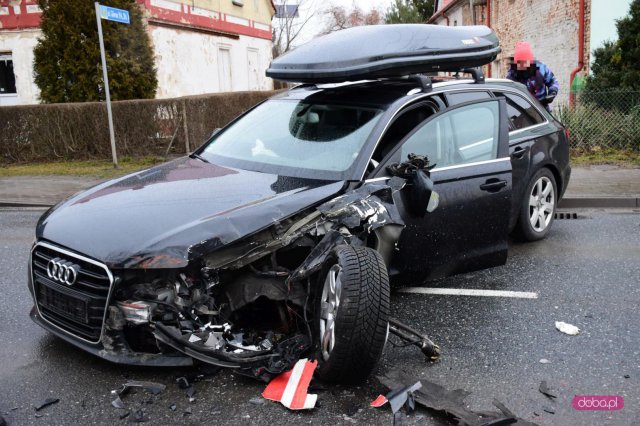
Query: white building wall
x=455, y=17
x=188, y=63
x=193, y=63
x=20, y=44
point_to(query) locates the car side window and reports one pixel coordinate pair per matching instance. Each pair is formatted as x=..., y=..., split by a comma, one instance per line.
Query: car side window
x=402, y=126
x=463, y=135
x=521, y=112
x=456, y=98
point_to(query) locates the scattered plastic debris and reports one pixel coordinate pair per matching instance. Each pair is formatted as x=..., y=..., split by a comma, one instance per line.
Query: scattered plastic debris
x=544, y=389
x=549, y=410
x=47, y=402
x=118, y=403
x=545, y=361
x=290, y=388
x=187, y=412
x=173, y=407
x=154, y=388
x=626, y=376
x=569, y=329
x=410, y=336
x=125, y=415
x=182, y=382
x=433, y=396
x=256, y=401
x=398, y=397
x=190, y=392
x=139, y=417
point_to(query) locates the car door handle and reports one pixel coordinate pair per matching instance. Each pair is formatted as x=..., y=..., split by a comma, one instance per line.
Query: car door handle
x=519, y=152
x=493, y=185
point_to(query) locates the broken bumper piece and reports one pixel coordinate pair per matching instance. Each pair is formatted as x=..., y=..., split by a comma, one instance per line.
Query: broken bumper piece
x=119, y=357
x=221, y=348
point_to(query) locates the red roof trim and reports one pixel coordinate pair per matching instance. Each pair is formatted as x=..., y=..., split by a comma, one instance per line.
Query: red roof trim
x=22, y=20
x=444, y=10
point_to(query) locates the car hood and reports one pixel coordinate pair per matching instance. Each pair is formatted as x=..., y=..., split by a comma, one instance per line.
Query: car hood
x=167, y=215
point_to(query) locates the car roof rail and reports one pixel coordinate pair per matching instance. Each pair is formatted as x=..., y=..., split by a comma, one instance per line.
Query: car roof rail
x=476, y=73
x=304, y=86
x=423, y=80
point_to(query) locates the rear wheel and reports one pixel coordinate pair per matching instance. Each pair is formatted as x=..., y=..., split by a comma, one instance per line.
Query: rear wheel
x=538, y=207
x=353, y=314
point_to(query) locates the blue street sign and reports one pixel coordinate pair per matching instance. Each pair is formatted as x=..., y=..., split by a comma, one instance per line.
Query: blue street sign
x=113, y=14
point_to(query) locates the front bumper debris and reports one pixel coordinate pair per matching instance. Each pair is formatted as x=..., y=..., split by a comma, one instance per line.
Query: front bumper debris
x=248, y=306
x=120, y=357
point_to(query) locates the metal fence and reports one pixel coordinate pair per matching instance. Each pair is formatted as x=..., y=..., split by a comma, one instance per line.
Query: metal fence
x=600, y=121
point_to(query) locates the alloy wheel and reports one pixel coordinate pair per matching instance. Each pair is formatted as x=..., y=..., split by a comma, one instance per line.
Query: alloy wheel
x=541, y=204
x=329, y=304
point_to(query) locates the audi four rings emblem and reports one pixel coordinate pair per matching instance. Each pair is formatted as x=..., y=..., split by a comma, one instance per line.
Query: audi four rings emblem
x=62, y=271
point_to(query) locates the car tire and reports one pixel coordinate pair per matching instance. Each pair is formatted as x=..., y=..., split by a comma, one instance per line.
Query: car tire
x=538, y=207
x=352, y=314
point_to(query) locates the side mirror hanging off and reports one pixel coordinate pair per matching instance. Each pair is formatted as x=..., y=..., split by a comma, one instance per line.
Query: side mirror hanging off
x=423, y=198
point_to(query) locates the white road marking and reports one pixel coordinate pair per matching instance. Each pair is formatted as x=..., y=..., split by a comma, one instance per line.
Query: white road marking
x=469, y=292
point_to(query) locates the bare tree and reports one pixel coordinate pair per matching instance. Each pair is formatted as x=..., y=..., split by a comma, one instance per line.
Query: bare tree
x=339, y=18
x=289, y=23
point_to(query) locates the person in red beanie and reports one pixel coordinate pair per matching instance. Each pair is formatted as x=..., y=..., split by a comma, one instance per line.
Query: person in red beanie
x=534, y=74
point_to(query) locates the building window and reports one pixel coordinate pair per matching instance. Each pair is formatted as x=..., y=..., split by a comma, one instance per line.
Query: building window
x=224, y=68
x=7, y=78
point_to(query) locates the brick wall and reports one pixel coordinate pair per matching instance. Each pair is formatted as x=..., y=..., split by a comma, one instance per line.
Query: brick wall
x=550, y=26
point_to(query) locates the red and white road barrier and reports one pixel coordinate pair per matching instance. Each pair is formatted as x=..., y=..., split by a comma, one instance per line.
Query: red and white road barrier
x=290, y=388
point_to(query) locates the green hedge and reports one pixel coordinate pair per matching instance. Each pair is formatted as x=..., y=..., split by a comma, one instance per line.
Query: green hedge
x=33, y=133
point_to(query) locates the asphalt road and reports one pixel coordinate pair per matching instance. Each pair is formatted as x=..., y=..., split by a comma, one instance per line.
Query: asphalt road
x=585, y=273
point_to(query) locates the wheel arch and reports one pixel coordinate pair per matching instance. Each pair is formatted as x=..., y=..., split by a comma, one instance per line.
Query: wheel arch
x=556, y=174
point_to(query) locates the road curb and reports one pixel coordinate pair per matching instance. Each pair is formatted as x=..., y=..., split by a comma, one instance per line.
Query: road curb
x=599, y=202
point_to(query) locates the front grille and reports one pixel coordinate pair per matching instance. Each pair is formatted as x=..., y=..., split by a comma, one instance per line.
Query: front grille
x=78, y=308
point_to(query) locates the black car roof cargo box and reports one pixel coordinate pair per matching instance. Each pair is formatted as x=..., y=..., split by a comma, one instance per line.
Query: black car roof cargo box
x=379, y=51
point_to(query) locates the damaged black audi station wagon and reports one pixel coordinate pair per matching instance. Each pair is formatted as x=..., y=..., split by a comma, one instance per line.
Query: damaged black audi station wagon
x=276, y=239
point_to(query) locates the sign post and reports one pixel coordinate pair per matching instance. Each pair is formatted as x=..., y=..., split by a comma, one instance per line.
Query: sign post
x=117, y=15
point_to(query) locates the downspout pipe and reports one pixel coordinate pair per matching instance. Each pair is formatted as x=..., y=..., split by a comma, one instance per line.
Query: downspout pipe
x=580, y=53
x=442, y=15
x=489, y=25
x=472, y=9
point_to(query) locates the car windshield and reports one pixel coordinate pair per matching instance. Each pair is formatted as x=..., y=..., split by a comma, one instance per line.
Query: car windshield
x=296, y=138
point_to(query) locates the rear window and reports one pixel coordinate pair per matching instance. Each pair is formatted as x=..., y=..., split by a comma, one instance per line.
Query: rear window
x=521, y=112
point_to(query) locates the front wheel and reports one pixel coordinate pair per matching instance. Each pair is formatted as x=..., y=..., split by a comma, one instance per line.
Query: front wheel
x=538, y=207
x=352, y=314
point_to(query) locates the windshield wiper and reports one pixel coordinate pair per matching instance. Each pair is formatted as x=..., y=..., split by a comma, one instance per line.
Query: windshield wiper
x=194, y=155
